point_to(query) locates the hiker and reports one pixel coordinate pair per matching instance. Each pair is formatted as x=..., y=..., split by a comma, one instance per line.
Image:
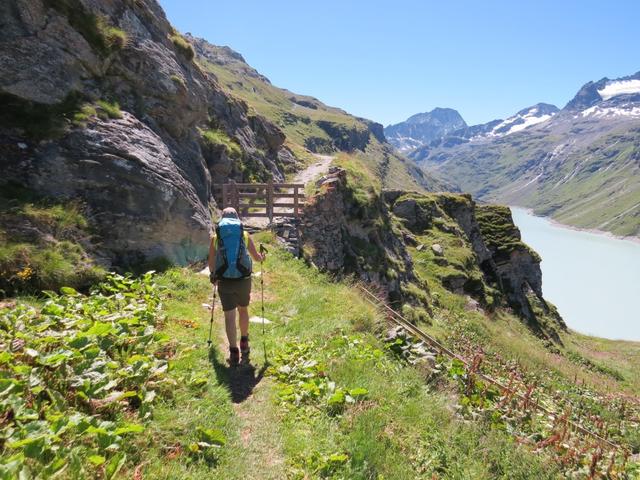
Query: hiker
x=230, y=266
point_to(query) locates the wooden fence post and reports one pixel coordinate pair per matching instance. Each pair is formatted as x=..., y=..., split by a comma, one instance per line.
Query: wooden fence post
x=270, y=199
x=234, y=200
x=225, y=195
x=295, y=201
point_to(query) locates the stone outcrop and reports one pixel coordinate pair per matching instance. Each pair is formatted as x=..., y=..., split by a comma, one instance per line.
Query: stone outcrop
x=342, y=239
x=506, y=263
x=143, y=169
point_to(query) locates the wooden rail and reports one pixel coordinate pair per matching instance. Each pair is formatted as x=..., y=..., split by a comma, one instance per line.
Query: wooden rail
x=263, y=199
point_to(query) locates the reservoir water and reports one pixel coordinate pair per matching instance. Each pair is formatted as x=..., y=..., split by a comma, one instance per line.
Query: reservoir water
x=593, y=279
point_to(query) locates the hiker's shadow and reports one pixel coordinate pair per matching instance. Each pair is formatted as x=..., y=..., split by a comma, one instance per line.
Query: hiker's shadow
x=240, y=380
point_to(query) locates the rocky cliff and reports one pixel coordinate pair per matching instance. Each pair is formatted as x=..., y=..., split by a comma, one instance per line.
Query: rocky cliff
x=102, y=101
x=411, y=243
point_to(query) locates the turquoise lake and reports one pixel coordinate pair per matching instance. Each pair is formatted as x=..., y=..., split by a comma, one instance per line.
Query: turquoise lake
x=593, y=279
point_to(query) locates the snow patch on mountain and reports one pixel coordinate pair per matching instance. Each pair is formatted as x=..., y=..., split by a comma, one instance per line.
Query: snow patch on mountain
x=620, y=87
x=601, y=112
x=523, y=120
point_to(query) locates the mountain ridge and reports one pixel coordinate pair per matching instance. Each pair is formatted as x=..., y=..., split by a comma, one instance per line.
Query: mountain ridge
x=578, y=165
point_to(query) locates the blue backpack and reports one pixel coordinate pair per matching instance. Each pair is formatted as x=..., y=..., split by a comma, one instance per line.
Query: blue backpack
x=232, y=258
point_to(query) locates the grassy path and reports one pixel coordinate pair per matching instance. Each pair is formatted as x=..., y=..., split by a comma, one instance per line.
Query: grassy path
x=259, y=444
x=295, y=421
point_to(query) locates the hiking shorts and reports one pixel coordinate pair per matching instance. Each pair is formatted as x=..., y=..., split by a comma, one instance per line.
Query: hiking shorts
x=234, y=293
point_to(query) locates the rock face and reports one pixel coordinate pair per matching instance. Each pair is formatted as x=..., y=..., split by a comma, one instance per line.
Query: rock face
x=143, y=169
x=341, y=238
x=495, y=258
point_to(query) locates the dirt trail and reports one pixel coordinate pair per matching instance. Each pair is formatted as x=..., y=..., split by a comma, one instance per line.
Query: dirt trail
x=315, y=170
x=260, y=452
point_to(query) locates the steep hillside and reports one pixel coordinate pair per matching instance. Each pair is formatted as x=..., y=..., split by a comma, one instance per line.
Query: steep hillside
x=311, y=126
x=103, y=103
x=422, y=128
x=580, y=166
x=108, y=106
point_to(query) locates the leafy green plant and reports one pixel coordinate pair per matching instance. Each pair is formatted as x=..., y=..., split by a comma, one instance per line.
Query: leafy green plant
x=303, y=379
x=79, y=377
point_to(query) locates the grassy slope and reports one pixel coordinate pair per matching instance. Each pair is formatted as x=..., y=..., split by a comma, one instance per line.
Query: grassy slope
x=324, y=339
x=300, y=124
x=401, y=430
x=43, y=244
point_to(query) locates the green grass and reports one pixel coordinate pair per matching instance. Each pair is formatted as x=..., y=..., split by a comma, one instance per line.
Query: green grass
x=219, y=138
x=398, y=428
x=498, y=230
x=55, y=257
x=335, y=402
x=101, y=109
x=183, y=46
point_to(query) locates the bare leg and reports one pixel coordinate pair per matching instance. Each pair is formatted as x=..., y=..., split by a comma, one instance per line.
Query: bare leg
x=230, y=327
x=244, y=320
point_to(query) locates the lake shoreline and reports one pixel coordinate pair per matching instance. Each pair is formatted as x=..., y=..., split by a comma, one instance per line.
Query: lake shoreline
x=594, y=231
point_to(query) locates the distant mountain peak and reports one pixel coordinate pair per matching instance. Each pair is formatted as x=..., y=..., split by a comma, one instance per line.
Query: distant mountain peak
x=422, y=128
x=605, y=89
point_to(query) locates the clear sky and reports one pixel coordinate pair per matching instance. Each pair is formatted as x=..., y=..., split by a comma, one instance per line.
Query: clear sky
x=386, y=60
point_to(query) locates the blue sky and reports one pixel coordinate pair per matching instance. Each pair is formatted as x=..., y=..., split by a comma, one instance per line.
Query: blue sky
x=386, y=60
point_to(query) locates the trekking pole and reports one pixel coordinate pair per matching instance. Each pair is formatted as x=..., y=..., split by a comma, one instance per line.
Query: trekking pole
x=263, y=251
x=213, y=306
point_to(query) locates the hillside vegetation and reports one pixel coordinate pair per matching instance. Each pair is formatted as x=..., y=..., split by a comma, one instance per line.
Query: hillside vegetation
x=309, y=125
x=340, y=397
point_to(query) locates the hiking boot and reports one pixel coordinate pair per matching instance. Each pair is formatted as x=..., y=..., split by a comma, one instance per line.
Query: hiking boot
x=234, y=356
x=244, y=349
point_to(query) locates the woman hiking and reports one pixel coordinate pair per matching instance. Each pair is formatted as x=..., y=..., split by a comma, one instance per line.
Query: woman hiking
x=230, y=253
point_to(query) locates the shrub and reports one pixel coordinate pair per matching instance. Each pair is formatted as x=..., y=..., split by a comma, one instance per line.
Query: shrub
x=183, y=46
x=108, y=109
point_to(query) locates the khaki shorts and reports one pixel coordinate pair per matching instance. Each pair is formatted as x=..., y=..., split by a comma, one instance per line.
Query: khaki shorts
x=234, y=293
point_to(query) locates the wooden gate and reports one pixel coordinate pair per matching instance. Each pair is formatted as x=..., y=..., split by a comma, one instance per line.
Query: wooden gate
x=263, y=199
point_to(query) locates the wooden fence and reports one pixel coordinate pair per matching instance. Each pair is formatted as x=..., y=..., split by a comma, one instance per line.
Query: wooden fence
x=263, y=199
